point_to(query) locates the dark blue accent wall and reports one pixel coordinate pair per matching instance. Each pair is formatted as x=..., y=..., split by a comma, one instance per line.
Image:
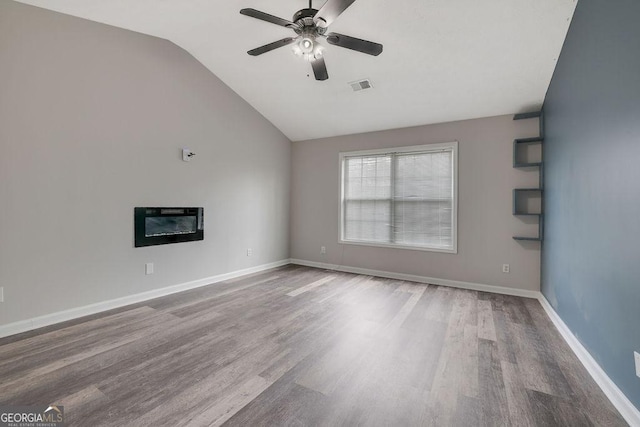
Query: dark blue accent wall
x=591, y=253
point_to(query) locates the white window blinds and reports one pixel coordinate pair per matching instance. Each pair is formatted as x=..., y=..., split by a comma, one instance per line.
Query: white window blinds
x=402, y=198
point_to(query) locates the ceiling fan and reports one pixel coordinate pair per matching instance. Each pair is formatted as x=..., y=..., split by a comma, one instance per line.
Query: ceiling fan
x=310, y=25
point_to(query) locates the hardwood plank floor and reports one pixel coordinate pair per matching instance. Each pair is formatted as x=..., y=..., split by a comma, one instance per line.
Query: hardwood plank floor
x=298, y=346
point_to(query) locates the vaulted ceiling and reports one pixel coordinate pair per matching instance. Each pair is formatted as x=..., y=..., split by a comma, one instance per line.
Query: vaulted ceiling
x=443, y=60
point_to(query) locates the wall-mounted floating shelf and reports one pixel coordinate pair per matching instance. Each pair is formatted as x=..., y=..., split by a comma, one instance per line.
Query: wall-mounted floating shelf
x=527, y=154
x=533, y=239
x=522, y=201
x=531, y=115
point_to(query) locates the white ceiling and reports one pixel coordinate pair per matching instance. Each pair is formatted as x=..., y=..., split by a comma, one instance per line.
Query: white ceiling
x=443, y=60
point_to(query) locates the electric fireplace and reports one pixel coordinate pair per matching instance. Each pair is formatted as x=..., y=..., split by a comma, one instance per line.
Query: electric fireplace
x=161, y=226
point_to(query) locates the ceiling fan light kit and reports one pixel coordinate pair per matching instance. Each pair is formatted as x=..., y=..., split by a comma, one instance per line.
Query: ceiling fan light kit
x=310, y=25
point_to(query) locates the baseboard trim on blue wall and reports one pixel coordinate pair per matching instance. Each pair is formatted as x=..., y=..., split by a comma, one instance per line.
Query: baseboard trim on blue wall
x=422, y=279
x=627, y=409
x=77, y=312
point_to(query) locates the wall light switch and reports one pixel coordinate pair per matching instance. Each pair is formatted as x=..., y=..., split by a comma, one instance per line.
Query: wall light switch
x=1, y=293
x=505, y=268
x=249, y=252
x=637, y=357
x=323, y=250
x=148, y=268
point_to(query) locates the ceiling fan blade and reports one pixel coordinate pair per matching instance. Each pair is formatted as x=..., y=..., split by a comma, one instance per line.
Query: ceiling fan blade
x=319, y=69
x=330, y=11
x=353, y=43
x=271, y=46
x=266, y=17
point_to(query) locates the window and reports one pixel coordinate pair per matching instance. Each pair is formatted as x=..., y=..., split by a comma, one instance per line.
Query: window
x=402, y=197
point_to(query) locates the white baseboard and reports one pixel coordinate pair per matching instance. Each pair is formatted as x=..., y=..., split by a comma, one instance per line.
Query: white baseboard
x=628, y=411
x=422, y=279
x=74, y=313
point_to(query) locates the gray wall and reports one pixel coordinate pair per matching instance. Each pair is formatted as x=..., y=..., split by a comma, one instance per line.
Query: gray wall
x=591, y=255
x=92, y=119
x=485, y=223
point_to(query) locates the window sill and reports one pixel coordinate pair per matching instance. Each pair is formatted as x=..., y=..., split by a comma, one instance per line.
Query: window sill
x=394, y=246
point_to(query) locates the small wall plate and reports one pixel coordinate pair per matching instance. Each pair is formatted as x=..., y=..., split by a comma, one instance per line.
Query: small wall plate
x=187, y=154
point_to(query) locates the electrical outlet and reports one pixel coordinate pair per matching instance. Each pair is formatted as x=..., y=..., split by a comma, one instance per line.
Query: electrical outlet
x=148, y=268
x=505, y=268
x=249, y=252
x=323, y=250
x=636, y=355
x=1, y=293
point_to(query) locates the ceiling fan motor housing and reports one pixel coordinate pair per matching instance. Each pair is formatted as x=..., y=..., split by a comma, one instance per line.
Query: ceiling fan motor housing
x=304, y=20
x=304, y=13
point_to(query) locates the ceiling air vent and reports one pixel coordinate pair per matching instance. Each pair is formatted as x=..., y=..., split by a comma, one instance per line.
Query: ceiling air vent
x=361, y=85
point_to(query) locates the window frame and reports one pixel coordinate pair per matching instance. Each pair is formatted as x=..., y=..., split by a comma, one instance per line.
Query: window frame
x=453, y=146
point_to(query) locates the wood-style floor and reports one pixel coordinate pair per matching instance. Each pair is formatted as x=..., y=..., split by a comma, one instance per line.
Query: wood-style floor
x=298, y=346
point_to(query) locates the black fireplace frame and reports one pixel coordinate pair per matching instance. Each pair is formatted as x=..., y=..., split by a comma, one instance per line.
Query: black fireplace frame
x=142, y=213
